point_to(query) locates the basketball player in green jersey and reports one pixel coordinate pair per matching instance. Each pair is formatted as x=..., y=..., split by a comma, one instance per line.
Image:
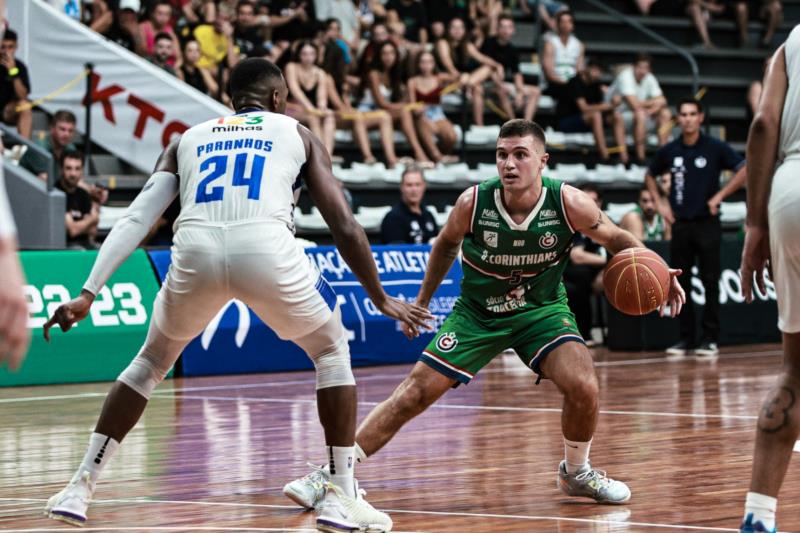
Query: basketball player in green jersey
x=514, y=233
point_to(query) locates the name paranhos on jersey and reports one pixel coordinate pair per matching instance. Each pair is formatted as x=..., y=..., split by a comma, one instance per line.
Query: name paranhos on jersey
x=247, y=143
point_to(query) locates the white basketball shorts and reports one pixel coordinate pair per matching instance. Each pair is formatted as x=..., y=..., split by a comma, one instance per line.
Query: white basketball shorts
x=784, y=228
x=259, y=263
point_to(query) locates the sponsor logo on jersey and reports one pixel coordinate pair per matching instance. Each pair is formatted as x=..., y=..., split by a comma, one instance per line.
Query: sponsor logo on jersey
x=677, y=162
x=519, y=243
x=700, y=162
x=548, y=240
x=488, y=223
x=548, y=223
x=225, y=129
x=547, y=213
x=490, y=213
x=490, y=238
x=516, y=293
x=518, y=260
x=446, y=342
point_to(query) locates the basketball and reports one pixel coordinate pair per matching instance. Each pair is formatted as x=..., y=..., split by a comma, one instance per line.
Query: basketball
x=636, y=281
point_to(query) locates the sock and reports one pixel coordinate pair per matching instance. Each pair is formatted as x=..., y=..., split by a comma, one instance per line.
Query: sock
x=361, y=455
x=762, y=507
x=100, y=450
x=342, y=460
x=576, y=454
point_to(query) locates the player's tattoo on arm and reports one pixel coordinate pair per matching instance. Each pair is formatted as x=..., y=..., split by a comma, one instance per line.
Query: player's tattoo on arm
x=776, y=413
x=599, y=221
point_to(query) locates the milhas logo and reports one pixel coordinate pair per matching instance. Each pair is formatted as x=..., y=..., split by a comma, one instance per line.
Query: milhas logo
x=547, y=213
x=446, y=342
x=548, y=240
x=241, y=331
x=490, y=213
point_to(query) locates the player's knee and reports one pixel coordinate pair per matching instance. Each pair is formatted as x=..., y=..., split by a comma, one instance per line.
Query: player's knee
x=411, y=398
x=333, y=365
x=583, y=390
x=144, y=374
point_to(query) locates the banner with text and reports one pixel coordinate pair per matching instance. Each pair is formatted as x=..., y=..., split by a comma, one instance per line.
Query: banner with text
x=236, y=341
x=136, y=106
x=97, y=348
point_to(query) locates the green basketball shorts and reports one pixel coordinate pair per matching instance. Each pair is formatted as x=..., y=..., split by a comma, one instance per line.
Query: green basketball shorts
x=468, y=340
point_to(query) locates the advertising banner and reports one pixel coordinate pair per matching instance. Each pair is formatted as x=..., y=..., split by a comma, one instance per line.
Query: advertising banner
x=136, y=106
x=236, y=341
x=102, y=345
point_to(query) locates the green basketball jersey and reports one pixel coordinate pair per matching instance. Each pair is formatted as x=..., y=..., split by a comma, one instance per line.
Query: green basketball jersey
x=654, y=231
x=510, y=267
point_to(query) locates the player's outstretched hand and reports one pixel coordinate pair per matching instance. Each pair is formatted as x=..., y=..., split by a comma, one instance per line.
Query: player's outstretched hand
x=755, y=257
x=70, y=313
x=413, y=317
x=676, y=297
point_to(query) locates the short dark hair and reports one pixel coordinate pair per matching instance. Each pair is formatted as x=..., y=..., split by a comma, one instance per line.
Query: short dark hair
x=519, y=127
x=10, y=35
x=330, y=21
x=505, y=16
x=691, y=100
x=592, y=61
x=70, y=154
x=162, y=35
x=643, y=57
x=63, y=115
x=246, y=3
x=563, y=14
x=250, y=71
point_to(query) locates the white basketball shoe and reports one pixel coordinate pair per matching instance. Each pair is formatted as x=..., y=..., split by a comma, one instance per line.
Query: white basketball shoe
x=70, y=505
x=342, y=514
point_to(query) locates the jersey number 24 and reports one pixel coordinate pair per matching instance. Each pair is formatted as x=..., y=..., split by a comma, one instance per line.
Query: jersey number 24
x=217, y=167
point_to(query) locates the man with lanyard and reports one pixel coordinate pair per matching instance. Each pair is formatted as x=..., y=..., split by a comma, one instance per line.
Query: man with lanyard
x=694, y=162
x=514, y=233
x=644, y=221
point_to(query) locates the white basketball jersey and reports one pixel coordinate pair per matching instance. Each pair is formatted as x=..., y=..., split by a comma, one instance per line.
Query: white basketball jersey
x=790, y=122
x=240, y=167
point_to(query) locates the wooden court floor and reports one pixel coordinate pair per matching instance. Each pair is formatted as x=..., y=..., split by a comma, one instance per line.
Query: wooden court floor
x=211, y=454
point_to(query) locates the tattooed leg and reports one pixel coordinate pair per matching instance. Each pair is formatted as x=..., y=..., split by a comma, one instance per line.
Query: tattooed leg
x=778, y=423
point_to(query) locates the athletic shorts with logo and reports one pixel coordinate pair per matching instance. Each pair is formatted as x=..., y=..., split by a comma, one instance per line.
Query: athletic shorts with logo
x=468, y=340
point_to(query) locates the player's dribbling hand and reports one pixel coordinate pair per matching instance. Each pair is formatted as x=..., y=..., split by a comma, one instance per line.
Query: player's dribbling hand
x=412, y=317
x=676, y=297
x=70, y=313
x=755, y=257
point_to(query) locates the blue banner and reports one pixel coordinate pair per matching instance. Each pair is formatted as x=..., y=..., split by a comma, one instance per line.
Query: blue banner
x=237, y=341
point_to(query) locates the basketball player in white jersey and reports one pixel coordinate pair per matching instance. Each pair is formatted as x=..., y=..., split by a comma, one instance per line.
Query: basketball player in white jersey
x=14, y=334
x=773, y=224
x=238, y=179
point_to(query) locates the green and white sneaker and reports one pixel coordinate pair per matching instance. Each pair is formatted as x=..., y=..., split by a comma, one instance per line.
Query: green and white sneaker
x=309, y=491
x=340, y=513
x=593, y=484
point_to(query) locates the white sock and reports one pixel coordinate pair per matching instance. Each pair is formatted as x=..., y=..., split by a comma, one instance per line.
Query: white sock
x=361, y=455
x=762, y=507
x=342, y=463
x=101, y=448
x=576, y=454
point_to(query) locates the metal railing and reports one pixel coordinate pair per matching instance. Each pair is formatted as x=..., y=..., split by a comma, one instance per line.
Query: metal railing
x=655, y=36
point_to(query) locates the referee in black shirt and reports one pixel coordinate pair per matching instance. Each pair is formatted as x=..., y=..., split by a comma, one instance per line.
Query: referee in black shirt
x=695, y=161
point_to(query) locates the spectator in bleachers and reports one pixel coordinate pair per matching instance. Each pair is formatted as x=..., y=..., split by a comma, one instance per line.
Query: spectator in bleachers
x=298, y=23
x=56, y=142
x=218, y=50
x=118, y=21
x=164, y=51
x=308, y=94
x=348, y=117
x=645, y=108
x=548, y=9
x=562, y=56
x=335, y=54
x=378, y=34
x=426, y=88
x=694, y=161
x=460, y=58
x=699, y=12
x=249, y=32
x=82, y=215
x=14, y=87
x=384, y=89
x=525, y=97
x=583, y=108
x=486, y=14
x=200, y=79
x=346, y=14
x=583, y=276
x=770, y=11
x=645, y=222
x=409, y=221
x=159, y=22
x=413, y=16
x=441, y=12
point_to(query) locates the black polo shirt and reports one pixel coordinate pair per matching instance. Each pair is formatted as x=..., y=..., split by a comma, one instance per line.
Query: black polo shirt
x=7, y=92
x=695, y=173
x=401, y=226
x=79, y=204
x=505, y=54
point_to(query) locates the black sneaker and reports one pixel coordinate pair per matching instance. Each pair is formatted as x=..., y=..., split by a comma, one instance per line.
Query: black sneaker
x=707, y=351
x=678, y=351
